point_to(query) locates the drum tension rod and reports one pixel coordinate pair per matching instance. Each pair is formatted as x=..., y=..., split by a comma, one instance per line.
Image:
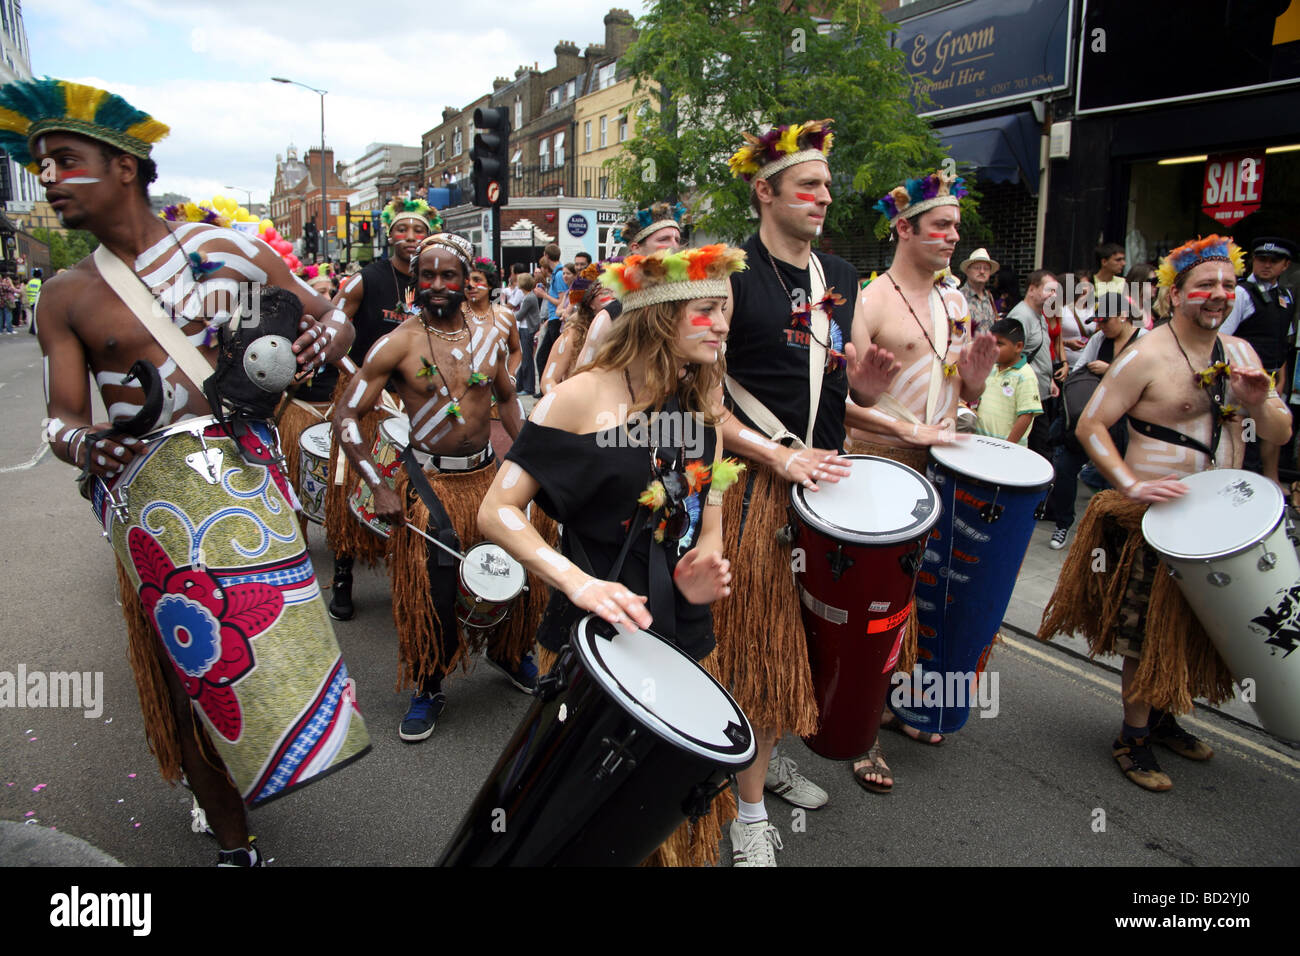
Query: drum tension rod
x=701, y=797
x=839, y=562
x=618, y=753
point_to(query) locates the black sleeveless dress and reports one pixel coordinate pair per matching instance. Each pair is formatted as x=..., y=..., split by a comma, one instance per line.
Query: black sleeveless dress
x=590, y=484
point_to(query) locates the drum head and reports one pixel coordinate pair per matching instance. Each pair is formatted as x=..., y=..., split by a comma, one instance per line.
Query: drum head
x=491, y=573
x=995, y=462
x=397, y=429
x=1225, y=511
x=880, y=502
x=663, y=688
x=316, y=440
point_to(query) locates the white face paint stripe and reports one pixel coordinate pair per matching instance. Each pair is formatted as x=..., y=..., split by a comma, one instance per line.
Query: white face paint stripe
x=511, y=477
x=368, y=472
x=79, y=181
x=699, y=335
x=541, y=408
x=756, y=439
x=510, y=519
x=1119, y=366
x=557, y=561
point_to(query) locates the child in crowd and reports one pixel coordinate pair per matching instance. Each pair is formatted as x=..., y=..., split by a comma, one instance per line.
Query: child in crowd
x=1010, y=400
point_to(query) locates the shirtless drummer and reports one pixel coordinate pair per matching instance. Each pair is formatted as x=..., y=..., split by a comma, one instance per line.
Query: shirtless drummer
x=96, y=169
x=923, y=320
x=1186, y=410
x=445, y=371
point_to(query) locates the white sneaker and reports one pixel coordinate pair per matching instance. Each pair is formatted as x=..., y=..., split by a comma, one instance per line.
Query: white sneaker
x=791, y=786
x=754, y=844
x=1058, y=539
x=199, y=819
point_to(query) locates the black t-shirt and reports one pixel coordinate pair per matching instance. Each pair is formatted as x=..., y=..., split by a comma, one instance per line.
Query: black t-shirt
x=383, y=298
x=590, y=484
x=767, y=348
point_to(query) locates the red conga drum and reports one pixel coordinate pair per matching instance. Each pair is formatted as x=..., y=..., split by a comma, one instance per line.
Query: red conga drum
x=858, y=547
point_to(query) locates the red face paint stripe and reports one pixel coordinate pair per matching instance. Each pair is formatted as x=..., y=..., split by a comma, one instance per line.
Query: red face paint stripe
x=937, y=235
x=72, y=173
x=806, y=197
x=701, y=320
x=425, y=285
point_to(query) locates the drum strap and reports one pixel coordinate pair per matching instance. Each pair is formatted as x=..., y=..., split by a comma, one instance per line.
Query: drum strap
x=662, y=605
x=442, y=526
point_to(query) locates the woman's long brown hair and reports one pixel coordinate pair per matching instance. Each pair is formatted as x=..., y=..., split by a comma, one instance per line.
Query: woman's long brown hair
x=651, y=333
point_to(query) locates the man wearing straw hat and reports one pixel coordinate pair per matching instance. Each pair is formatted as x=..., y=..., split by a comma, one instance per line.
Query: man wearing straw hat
x=978, y=269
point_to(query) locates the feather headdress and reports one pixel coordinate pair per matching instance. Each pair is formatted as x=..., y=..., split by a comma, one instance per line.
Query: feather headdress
x=584, y=279
x=1191, y=254
x=673, y=276
x=780, y=148
x=940, y=188
x=399, y=210
x=32, y=107
x=485, y=266
x=194, y=212
x=645, y=222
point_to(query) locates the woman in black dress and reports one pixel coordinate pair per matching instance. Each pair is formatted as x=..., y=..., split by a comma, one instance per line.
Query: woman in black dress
x=627, y=455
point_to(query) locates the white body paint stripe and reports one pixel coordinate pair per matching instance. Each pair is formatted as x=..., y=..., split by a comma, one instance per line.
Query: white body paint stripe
x=557, y=561
x=510, y=519
x=513, y=471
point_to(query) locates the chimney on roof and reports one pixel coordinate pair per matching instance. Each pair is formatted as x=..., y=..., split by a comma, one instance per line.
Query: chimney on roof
x=594, y=51
x=620, y=31
x=499, y=83
x=449, y=113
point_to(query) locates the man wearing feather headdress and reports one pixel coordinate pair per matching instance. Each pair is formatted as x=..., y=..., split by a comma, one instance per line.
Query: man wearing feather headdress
x=92, y=149
x=1186, y=389
x=790, y=368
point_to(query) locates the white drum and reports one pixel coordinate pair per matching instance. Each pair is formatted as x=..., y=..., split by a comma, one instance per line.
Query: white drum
x=490, y=580
x=1227, y=544
x=314, y=470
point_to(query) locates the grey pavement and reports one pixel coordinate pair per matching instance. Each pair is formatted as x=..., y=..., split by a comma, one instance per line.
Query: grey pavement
x=1027, y=787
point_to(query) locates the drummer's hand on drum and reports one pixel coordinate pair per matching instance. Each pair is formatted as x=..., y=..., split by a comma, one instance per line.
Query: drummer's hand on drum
x=703, y=578
x=1160, y=489
x=388, y=505
x=807, y=466
x=109, y=456
x=943, y=432
x=611, y=601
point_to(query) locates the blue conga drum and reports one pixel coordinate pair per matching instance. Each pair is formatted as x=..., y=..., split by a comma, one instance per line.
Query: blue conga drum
x=989, y=489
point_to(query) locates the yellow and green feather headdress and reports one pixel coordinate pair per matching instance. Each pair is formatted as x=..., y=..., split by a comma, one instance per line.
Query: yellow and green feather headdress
x=400, y=210
x=33, y=107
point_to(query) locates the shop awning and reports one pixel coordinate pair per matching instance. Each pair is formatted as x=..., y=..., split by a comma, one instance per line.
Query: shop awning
x=1004, y=148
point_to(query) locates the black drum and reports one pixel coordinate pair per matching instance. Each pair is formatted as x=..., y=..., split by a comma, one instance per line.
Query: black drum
x=628, y=737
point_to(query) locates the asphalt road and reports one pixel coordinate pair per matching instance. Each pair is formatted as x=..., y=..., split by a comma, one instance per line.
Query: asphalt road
x=1026, y=787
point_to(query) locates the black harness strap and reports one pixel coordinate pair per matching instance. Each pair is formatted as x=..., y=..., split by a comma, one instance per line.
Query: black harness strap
x=1218, y=394
x=442, y=527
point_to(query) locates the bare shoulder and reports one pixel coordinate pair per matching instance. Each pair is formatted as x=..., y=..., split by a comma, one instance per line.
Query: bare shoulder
x=571, y=406
x=1240, y=352
x=62, y=294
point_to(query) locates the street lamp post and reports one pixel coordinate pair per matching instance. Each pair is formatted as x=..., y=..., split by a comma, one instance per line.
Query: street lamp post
x=322, y=229
x=248, y=193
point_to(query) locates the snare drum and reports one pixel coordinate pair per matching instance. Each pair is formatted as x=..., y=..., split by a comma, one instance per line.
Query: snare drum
x=990, y=489
x=859, y=542
x=1227, y=543
x=314, y=470
x=628, y=737
x=490, y=581
x=391, y=439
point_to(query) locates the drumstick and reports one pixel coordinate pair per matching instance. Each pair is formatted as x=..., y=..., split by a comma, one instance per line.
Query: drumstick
x=433, y=540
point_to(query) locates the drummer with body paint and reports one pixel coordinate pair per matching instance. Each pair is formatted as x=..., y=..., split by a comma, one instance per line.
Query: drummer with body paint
x=209, y=508
x=626, y=454
x=446, y=373
x=916, y=312
x=1190, y=395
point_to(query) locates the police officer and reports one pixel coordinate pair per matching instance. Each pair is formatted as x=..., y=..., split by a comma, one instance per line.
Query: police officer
x=1264, y=315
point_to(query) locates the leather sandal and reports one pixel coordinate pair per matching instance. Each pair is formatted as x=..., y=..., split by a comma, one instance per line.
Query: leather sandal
x=875, y=764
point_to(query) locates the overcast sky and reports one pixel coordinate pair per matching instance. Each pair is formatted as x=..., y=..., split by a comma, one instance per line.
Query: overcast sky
x=204, y=68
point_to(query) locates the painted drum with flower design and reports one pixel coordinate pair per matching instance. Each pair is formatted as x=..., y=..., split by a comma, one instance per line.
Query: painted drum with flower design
x=214, y=547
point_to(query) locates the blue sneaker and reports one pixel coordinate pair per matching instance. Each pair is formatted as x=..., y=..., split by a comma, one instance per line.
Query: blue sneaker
x=422, y=716
x=524, y=676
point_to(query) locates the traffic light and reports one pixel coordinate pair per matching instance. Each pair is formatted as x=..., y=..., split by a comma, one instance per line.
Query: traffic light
x=363, y=231
x=491, y=157
x=309, y=237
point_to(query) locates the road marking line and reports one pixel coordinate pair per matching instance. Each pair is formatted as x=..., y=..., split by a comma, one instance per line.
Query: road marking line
x=1113, y=685
x=31, y=462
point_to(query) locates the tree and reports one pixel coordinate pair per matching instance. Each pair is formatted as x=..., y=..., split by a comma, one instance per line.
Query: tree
x=710, y=69
x=66, y=248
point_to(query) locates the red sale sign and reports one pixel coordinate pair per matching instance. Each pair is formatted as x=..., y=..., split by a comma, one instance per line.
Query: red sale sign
x=1234, y=186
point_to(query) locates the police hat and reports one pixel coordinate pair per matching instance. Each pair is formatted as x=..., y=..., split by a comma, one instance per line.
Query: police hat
x=1274, y=246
